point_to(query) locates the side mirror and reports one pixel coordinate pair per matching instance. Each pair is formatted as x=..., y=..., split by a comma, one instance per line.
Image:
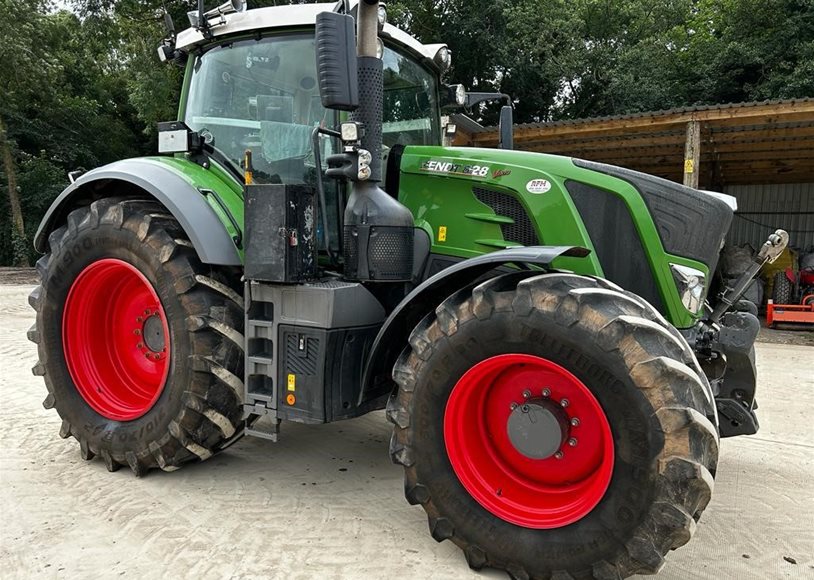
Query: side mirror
x=506, y=128
x=337, y=68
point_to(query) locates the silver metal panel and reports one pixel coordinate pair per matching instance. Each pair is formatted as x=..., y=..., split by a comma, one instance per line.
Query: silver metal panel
x=764, y=208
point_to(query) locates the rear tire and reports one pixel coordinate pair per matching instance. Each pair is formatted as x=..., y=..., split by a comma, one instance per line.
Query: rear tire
x=189, y=415
x=783, y=290
x=665, y=448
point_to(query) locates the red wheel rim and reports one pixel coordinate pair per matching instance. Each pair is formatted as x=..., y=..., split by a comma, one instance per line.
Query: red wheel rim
x=116, y=340
x=484, y=445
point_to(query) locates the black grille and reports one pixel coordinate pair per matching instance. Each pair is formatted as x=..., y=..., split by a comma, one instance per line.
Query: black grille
x=351, y=252
x=387, y=255
x=301, y=362
x=503, y=204
x=615, y=240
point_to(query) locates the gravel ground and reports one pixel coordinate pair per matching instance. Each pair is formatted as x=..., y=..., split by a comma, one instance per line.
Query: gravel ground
x=325, y=502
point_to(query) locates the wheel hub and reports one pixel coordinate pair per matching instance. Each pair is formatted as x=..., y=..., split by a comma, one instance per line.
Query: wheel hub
x=153, y=332
x=538, y=428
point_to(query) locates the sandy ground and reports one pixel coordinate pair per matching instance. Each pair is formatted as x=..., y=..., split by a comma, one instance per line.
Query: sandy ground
x=325, y=502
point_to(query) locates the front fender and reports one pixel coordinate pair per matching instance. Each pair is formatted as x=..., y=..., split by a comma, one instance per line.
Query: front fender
x=179, y=195
x=395, y=332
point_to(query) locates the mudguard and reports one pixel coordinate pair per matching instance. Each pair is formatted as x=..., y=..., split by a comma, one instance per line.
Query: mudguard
x=182, y=199
x=426, y=297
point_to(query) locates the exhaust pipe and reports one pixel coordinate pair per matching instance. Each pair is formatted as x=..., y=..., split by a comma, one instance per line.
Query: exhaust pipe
x=379, y=231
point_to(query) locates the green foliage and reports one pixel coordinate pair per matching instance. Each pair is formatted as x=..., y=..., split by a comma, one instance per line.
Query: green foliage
x=83, y=88
x=584, y=58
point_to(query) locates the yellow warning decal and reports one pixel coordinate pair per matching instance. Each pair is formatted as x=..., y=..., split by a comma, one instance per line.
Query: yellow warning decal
x=689, y=166
x=292, y=383
x=442, y=234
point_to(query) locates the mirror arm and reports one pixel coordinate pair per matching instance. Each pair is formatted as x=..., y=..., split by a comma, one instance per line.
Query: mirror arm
x=473, y=99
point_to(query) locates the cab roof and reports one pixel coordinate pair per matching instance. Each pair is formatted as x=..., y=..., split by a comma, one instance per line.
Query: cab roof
x=295, y=16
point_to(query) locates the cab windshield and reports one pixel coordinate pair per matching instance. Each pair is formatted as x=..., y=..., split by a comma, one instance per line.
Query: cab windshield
x=262, y=95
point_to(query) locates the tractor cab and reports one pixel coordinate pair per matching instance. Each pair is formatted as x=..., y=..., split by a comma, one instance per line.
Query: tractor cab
x=252, y=87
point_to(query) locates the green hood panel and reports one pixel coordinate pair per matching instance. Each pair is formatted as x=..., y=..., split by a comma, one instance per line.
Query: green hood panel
x=444, y=188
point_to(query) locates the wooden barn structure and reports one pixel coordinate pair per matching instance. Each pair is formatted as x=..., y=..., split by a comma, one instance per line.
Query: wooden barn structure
x=708, y=147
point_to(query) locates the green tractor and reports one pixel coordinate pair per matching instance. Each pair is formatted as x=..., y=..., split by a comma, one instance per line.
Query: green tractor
x=304, y=249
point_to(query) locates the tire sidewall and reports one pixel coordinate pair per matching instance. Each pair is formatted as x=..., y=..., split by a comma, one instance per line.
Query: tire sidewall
x=78, y=249
x=636, y=432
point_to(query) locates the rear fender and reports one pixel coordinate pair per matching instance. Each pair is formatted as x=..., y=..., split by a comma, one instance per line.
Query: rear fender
x=393, y=336
x=149, y=178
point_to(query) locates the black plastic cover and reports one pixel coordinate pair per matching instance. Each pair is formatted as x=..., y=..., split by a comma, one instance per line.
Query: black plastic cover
x=691, y=224
x=616, y=240
x=337, y=68
x=280, y=233
x=327, y=366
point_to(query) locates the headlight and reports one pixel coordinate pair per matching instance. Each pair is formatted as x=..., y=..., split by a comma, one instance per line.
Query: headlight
x=443, y=58
x=379, y=49
x=382, y=15
x=460, y=95
x=349, y=132
x=691, y=284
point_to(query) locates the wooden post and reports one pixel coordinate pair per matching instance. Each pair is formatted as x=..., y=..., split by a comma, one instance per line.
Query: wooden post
x=692, y=154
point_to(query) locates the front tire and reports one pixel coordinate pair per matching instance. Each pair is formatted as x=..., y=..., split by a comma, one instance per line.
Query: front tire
x=140, y=344
x=561, y=333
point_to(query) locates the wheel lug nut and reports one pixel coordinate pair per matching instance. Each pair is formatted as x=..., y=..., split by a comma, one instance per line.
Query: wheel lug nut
x=147, y=312
x=575, y=422
x=140, y=345
x=559, y=455
x=572, y=442
x=137, y=332
x=546, y=392
x=526, y=394
x=513, y=406
x=564, y=403
x=139, y=319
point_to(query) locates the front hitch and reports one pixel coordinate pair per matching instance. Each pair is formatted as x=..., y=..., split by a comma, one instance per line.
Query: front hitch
x=724, y=345
x=768, y=253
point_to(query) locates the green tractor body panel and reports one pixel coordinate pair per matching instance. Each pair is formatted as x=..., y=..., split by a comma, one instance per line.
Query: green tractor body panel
x=438, y=183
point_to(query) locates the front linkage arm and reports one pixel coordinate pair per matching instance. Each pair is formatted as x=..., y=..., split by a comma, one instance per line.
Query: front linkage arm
x=770, y=251
x=724, y=344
